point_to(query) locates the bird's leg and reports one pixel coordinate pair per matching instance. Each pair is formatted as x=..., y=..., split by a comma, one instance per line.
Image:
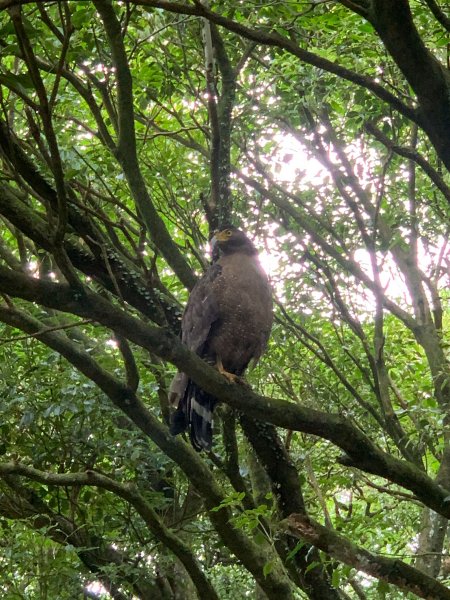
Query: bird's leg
x=230, y=376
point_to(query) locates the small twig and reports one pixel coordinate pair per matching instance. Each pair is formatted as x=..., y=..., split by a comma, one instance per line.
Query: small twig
x=43, y=331
x=131, y=369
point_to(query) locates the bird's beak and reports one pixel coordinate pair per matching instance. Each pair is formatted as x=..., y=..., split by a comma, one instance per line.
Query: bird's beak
x=219, y=236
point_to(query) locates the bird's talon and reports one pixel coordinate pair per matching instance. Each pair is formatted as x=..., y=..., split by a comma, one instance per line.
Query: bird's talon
x=230, y=377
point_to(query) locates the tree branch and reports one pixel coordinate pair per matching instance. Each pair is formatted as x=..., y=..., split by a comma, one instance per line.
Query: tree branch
x=413, y=155
x=360, y=451
x=314, y=579
x=253, y=557
x=99, y=265
x=393, y=571
x=439, y=14
x=126, y=151
x=21, y=502
x=129, y=493
x=394, y=24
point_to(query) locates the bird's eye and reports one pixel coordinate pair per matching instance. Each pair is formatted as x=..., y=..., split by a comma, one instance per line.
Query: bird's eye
x=228, y=232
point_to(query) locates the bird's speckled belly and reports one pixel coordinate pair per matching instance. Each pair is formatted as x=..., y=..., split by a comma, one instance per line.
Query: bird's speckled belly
x=238, y=337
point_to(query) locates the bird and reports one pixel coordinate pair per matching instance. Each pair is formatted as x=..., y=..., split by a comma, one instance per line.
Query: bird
x=227, y=322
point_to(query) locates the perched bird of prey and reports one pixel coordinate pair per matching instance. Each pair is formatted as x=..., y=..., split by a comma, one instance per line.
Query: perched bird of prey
x=227, y=322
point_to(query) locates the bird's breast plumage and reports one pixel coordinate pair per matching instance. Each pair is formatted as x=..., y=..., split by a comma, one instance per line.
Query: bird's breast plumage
x=244, y=301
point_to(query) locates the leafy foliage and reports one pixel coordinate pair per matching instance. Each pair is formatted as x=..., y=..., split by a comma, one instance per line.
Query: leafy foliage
x=120, y=152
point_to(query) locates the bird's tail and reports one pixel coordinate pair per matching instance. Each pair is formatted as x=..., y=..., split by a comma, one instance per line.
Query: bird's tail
x=195, y=411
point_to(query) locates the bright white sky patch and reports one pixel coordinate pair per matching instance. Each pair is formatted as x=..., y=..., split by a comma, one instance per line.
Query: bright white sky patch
x=269, y=262
x=96, y=588
x=291, y=161
x=290, y=164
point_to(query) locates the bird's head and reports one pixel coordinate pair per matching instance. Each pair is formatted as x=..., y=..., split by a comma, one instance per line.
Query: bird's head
x=230, y=239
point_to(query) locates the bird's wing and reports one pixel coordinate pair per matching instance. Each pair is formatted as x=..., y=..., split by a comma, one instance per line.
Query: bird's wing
x=202, y=310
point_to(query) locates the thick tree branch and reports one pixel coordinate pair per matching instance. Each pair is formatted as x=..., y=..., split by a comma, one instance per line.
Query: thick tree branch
x=224, y=121
x=130, y=494
x=278, y=41
x=127, y=153
x=429, y=79
x=361, y=452
x=439, y=14
x=101, y=264
x=18, y=501
x=253, y=557
x=393, y=571
x=286, y=488
x=213, y=203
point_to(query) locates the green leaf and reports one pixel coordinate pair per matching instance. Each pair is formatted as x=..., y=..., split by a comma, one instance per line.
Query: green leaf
x=336, y=578
x=294, y=551
x=21, y=83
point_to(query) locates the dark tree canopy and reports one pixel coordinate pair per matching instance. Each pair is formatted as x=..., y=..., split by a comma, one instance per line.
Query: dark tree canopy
x=129, y=131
